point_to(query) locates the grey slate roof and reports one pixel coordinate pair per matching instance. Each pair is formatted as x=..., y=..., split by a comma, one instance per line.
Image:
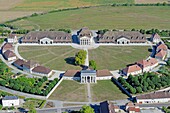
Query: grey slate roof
x=10, y=98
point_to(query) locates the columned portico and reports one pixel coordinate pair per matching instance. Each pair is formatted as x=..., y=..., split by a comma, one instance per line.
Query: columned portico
x=88, y=76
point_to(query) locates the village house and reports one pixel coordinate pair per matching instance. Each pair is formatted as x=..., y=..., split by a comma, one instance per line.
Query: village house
x=19, y=63
x=108, y=107
x=41, y=70
x=9, y=101
x=132, y=108
x=161, y=47
x=85, y=36
x=155, y=38
x=29, y=65
x=9, y=55
x=7, y=46
x=147, y=65
x=155, y=97
x=132, y=70
x=121, y=37
x=12, y=38
x=47, y=37
x=161, y=54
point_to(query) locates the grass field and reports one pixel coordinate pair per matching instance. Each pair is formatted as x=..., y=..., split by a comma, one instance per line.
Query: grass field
x=117, y=57
x=106, y=90
x=150, y=1
x=60, y=4
x=52, y=57
x=70, y=90
x=145, y=17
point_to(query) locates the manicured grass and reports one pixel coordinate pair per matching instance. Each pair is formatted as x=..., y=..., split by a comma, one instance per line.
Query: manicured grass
x=114, y=57
x=106, y=90
x=53, y=57
x=70, y=90
x=145, y=17
x=36, y=103
x=57, y=4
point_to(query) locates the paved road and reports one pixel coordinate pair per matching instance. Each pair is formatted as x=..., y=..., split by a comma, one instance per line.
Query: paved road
x=89, y=93
x=87, y=58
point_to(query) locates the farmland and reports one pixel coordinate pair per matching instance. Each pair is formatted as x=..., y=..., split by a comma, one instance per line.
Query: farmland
x=102, y=17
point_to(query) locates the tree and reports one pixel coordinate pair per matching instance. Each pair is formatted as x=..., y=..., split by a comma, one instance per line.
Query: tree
x=80, y=57
x=45, y=78
x=139, y=90
x=132, y=90
x=86, y=109
x=92, y=64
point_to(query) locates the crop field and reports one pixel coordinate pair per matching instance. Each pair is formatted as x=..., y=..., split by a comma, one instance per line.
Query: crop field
x=150, y=1
x=144, y=17
x=114, y=58
x=41, y=5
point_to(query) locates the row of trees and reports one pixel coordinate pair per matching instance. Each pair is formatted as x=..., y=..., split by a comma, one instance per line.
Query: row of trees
x=145, y=82
x=127, y=4
x=164, y=33
x=80, y=57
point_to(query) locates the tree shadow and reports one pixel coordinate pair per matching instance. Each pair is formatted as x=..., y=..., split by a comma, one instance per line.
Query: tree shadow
x=70, y=60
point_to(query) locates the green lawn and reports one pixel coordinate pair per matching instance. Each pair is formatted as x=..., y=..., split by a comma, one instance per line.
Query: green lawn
x=70, y=90
x=106, y=90
x=56, y=4
x=53, y=57
x=145, y=17
x=114, y=57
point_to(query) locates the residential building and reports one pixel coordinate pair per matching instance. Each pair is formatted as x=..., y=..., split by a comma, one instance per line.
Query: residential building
x=9, y=55
x=122, y=37
x=132, y=108
x=29, y=65
x=19, y=63
x=47, y=37
x=133, y=70
x=12, y=38
x=7, y=46
x=155, y=38
x=161, y=54
x=41, y=70
x=85, y=36
x=155, y=97
x=147, y=65
x=9, y=101
x=107, y=107
x=161, y=47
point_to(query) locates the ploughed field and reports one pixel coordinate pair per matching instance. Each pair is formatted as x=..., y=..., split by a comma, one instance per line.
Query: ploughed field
x=123, y=17
x=62, y=57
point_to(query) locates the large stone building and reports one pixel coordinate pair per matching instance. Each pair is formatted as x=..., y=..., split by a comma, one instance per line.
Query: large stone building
x=155, y=97
x=121, y=37
x=9, y=101
x=88, y=76
x=47, y=37
x=85, y=36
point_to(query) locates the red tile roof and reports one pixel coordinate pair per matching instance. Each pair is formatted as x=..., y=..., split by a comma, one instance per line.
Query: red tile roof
x=104, y=72
x=72, y=73
x=144, y=63
x=19, y=62
x=7, y=46
x=132, y=68
x=42, y=69
x=134, y=109
x=153, y=61
x=156, y=36
x=9, y=54
x=162, y=46
x=161, y=53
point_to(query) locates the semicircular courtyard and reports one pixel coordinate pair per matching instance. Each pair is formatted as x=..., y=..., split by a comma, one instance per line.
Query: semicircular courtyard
x=106, y=57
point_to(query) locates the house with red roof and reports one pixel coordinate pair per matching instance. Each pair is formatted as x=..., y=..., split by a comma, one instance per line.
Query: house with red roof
x=7, y=46
x=9, y=55
x=132, y=108
x=161, y=54
x=133, y=70
x=41, y=70
x=162, y=47
x=155, y=38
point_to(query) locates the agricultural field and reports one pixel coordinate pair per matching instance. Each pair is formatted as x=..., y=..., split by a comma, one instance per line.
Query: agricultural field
x=150, y=1
x=70, y=90
x=39, y=5
x=113, y=58
x=54, y=57
x=106, y=90
x=122, y=17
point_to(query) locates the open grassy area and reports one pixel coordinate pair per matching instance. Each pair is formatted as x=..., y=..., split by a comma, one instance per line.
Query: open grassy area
x=150, y=1
x=123, y=17
x=70, y=90
x=59, y=4
x=117, y=57
x=54, y=57
x=106, y=90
